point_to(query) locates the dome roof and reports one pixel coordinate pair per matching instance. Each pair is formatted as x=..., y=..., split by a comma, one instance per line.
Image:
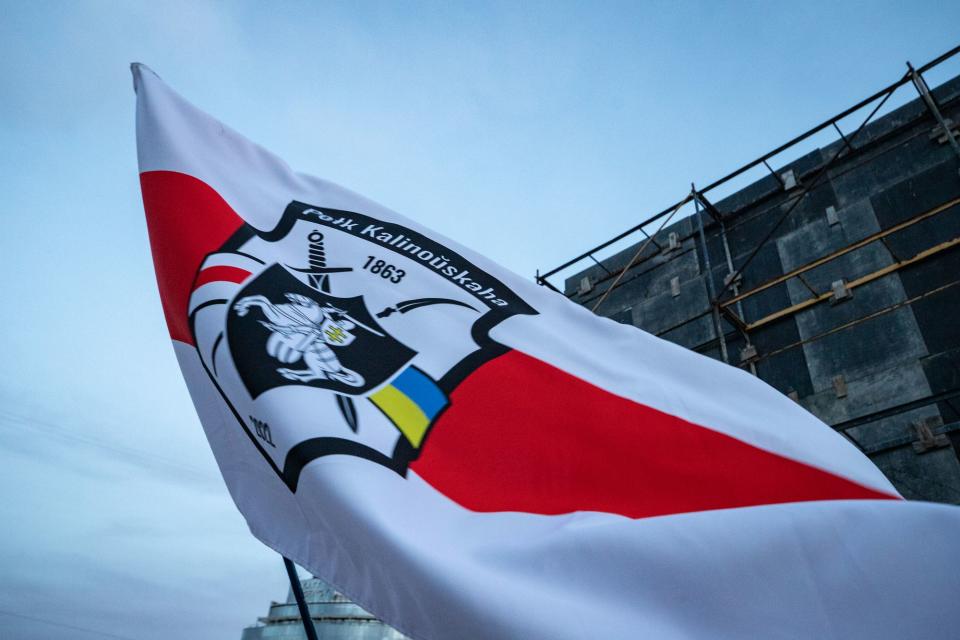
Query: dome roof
x=334, y=616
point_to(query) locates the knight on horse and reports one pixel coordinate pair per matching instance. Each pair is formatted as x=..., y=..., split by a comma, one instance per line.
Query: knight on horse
x=305, y=329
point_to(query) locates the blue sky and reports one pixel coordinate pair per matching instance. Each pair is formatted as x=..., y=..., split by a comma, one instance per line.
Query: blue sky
x=529, y=131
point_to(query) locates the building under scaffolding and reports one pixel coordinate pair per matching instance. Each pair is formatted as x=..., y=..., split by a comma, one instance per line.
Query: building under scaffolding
x=834, y=278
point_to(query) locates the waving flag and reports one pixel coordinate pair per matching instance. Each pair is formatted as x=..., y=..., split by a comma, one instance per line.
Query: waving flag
x=469, y=455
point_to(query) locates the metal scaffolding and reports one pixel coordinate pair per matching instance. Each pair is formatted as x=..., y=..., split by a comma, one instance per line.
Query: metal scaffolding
x=737, y=311
x=913, y=76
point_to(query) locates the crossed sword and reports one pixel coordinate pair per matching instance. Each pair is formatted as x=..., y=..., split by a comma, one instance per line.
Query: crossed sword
x=318, y=275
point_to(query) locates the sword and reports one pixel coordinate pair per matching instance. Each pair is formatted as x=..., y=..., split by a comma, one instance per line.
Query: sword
x=318, y=273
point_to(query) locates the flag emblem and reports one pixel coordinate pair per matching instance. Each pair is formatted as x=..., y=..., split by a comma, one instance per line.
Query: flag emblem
x=281, y=331
x=328, y=308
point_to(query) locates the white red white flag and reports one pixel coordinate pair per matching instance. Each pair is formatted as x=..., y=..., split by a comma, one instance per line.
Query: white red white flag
x=469, y=455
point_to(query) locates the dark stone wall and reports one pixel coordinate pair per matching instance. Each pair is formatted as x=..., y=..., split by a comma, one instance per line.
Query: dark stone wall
x=883, y=365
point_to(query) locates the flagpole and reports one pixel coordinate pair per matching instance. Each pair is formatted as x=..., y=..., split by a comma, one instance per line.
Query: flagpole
x=301, y=602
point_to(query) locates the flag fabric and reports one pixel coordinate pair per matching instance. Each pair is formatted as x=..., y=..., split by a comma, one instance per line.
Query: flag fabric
x=469, y=455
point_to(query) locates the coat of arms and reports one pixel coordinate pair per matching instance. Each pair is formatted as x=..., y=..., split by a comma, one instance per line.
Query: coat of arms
x=337, y=333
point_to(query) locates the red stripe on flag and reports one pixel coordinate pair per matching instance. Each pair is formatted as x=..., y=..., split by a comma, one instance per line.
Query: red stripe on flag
x=522, y=435
x=221, y=273
x=186, y=220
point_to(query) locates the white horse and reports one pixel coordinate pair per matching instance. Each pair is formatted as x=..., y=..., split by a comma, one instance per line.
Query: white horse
x=305, y=329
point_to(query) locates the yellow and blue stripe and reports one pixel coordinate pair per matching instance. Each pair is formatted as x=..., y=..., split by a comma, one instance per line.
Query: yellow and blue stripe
x=411, y=401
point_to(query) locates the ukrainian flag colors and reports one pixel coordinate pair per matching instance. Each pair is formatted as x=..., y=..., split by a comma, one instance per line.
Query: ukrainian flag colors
x=411, y=401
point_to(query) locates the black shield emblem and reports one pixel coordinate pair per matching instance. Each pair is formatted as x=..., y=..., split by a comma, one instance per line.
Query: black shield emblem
x=282, y=332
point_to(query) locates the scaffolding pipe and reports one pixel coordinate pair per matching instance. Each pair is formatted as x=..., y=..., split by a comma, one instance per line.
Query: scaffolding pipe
x=542, y=279
x=853, y=323
x=711, y=289
x=638, y=254
x=921, y=86
x=853, y=284
x=845, y=250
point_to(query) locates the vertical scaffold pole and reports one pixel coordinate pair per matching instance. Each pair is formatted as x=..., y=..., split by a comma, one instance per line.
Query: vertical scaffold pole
x=711, y=290
x=301, y=601
x=921, y=86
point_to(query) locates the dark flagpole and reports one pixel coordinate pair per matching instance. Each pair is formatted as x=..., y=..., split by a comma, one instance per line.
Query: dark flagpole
x=301, y=602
